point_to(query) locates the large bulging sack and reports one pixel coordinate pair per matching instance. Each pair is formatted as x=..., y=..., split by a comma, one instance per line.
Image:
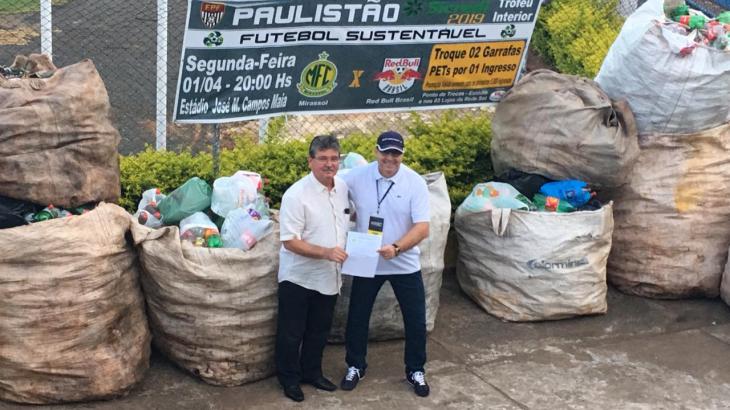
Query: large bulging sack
x=57, y=143
x=673, y=85
x=386, y=321
x=528, y=266
x=673, y=217
x=211, y=311
x=72, y=322
x=564, y=127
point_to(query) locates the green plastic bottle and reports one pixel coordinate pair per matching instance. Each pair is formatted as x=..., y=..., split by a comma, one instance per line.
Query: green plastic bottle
x=214, y=241
x=724, y=17
x=693, y=22
x=47, y=213
x=681, y=10
x=552, y=204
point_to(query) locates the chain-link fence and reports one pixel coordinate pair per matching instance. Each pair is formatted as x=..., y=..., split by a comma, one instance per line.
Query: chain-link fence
x=120, y=37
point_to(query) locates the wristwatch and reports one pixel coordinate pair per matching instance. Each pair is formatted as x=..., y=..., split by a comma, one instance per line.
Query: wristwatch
x=397, y=248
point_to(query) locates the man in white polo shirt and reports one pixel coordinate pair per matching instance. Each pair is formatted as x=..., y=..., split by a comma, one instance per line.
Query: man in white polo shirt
x=314, y=219
x=389, y=194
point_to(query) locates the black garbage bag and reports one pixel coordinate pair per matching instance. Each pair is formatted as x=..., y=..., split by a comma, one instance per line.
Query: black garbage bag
x=527, y=184
x=13, y=211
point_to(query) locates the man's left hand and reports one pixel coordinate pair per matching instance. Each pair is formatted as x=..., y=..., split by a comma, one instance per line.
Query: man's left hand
x=387, y=252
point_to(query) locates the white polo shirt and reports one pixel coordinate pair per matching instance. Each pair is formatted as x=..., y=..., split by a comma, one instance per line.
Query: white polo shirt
x=314, y=214
x=405, y=204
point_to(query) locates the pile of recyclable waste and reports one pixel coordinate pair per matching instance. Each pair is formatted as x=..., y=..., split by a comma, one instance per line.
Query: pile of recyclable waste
x=233, y=213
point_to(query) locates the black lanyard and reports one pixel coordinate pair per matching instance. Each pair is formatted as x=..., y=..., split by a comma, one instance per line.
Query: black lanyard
x=377, y=189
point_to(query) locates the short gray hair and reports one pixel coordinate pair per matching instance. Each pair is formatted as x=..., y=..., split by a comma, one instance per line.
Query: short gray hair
x=323, y=142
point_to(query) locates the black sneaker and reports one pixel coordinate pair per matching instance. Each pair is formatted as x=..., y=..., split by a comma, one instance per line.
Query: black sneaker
x=418, y=381
x=353, y=376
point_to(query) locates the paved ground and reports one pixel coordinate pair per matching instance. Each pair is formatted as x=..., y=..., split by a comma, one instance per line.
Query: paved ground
x=644, y=354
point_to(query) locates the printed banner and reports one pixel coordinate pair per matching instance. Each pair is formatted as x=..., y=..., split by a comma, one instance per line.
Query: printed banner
x=248, y=59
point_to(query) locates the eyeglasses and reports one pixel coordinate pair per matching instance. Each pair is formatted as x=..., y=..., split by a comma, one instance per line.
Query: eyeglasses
x=325, y=159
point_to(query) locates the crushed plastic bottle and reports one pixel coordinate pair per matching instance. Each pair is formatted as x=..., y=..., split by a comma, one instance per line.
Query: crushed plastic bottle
x=48, y=213
x=695, y=22
x=681, y=10
x=724, y=17
x=552, y=204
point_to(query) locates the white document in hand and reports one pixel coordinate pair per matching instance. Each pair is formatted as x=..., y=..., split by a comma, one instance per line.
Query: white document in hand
x=362, y=254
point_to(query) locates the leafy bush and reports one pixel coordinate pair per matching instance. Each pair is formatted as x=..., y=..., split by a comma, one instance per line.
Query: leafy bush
x=574, y=35
x=457, y=146
x=160, y=169
x=460, y=147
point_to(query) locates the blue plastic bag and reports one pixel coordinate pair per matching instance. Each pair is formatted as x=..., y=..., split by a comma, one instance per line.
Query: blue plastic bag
x=573, y=191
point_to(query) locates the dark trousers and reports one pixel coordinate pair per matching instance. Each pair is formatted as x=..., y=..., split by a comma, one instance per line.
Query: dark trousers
x=411, y=297
x=303, y=324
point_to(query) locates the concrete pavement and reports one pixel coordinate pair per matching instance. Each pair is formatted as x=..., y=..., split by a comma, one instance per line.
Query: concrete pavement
x=643, y=354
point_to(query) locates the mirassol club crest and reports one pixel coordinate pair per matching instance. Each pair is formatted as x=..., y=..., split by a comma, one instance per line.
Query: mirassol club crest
x=398, y=75
x=211, y=13
x=318, y=77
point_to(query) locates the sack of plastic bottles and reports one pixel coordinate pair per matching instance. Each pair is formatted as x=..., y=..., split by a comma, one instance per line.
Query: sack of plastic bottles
x=148, y=212
x=191, y=197
x=199, y=230
x=233, y=192
x=243, y=230
x=495, y=195
x=552, y=204
x=573, y=191
x=254, y=177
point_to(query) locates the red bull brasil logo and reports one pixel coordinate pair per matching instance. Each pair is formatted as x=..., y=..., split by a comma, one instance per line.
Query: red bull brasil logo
x=398, y=75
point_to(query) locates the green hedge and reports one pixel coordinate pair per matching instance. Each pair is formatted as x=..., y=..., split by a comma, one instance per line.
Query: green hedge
x=458, y=146
x=574, y=35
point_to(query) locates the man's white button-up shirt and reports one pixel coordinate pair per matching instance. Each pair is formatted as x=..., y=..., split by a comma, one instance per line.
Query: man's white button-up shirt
x=314, y=214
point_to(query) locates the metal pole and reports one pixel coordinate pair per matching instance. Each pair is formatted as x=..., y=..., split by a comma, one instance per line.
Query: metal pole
x=263, y=127
x=46, y=28
x=216, y=150
x=161, y=110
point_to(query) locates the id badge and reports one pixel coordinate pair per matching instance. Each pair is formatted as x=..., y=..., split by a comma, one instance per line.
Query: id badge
x=375, y=225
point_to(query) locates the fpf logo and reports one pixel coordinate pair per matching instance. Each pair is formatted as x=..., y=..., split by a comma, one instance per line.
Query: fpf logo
x=211, y=13
x=318, y=77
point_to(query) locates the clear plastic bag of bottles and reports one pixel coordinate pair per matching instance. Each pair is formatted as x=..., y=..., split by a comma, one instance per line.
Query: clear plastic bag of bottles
x=199, y=230
x=244, y=227
x=233, y=192
x=148, y=213
x=495, y=195
x=254, y=177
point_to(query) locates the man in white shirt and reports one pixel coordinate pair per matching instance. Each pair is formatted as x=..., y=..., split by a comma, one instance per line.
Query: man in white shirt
x=393, y=198
x=314, y=219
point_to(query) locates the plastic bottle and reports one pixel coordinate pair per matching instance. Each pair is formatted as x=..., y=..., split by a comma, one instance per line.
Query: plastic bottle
x=719, y=36
x=552, y=204
x=50, y=212
x=681, y=10
x=724, y=17
x=693, y=22
x=212, y=239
